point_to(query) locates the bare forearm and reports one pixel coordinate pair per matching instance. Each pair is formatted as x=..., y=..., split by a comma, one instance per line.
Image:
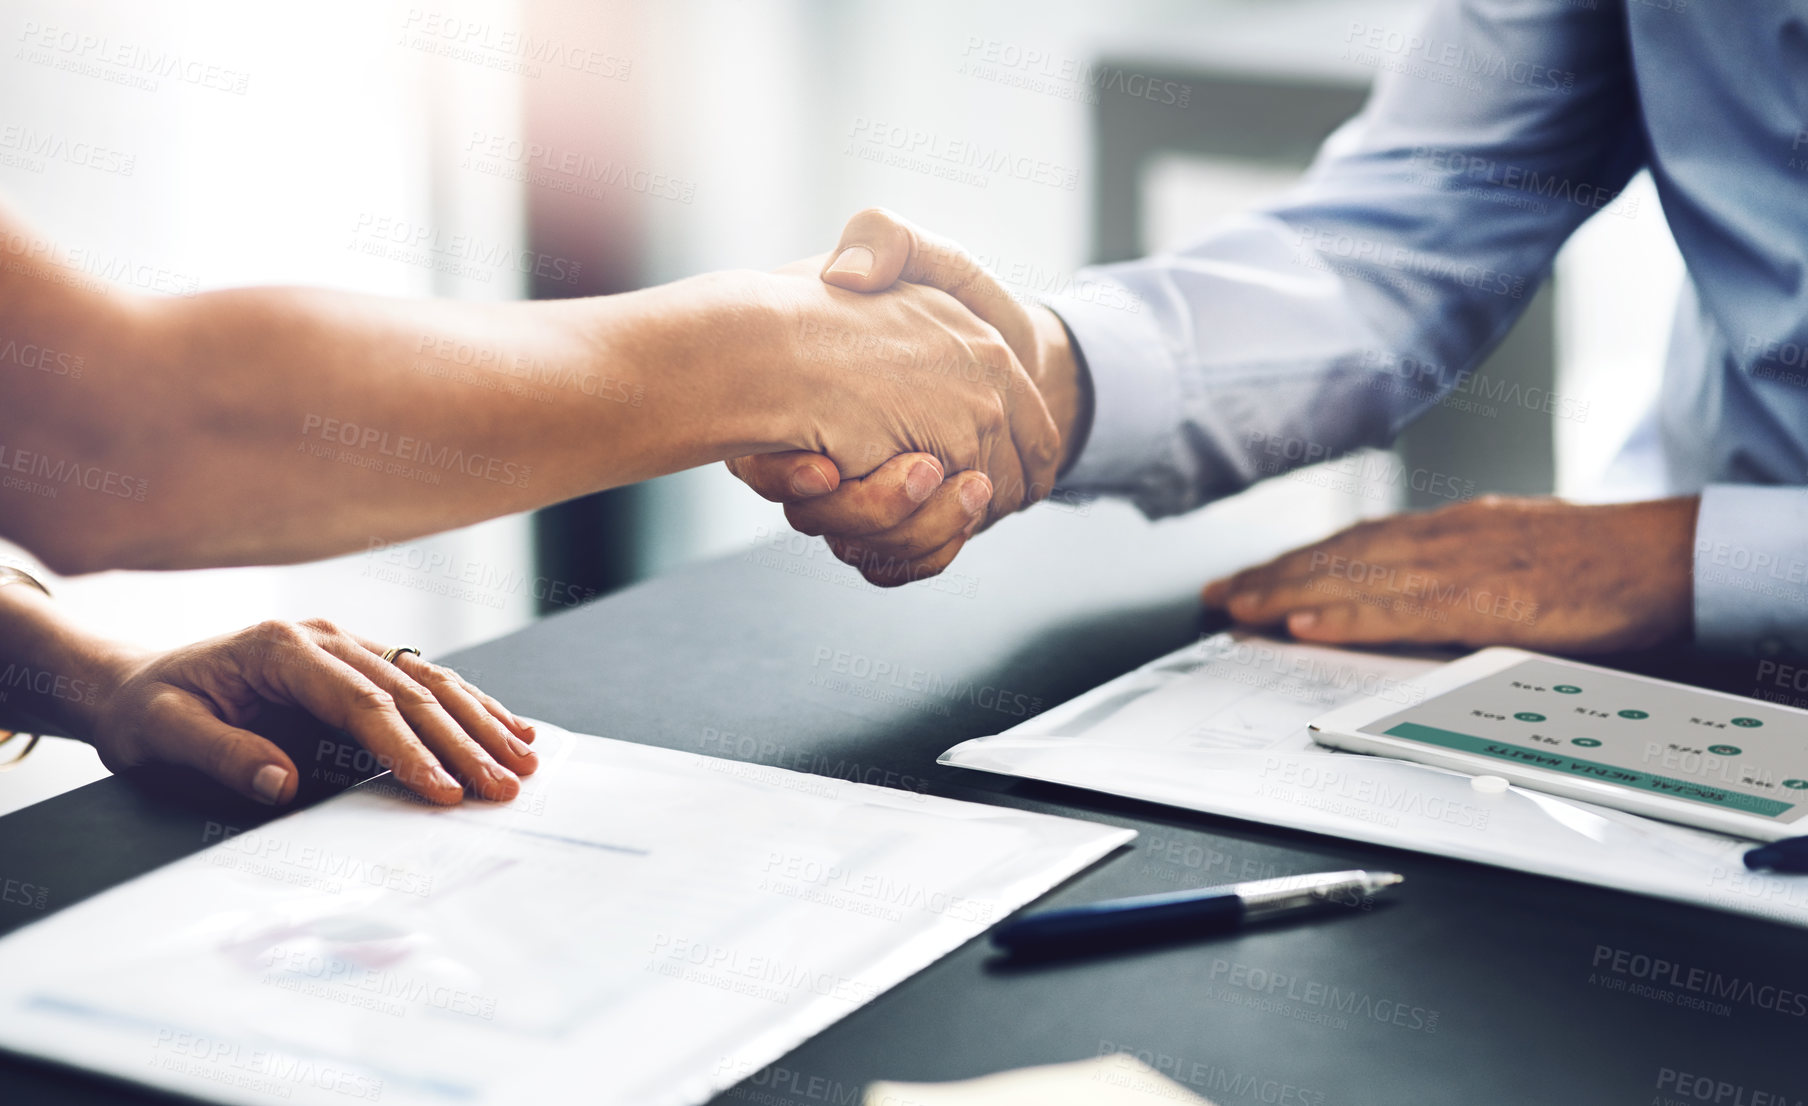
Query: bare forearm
x=274, y=424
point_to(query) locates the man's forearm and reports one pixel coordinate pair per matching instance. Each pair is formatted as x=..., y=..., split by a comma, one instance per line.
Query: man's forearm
x=287, y=424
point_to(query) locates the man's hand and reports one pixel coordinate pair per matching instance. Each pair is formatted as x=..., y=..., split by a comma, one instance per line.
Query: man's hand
x=1536, y=573
x=903, y=521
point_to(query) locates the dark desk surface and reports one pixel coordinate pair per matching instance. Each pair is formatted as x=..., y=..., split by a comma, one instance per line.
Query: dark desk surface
x=1473, y=986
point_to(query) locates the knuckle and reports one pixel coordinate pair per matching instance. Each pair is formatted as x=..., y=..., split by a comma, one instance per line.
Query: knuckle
x=806, y=522
x=323, y=626
x=439, y=677
x=415, y=696
x=275, y=631
x=372, y=699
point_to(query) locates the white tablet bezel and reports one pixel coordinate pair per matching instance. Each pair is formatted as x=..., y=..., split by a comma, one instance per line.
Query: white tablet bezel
x=1340, y=730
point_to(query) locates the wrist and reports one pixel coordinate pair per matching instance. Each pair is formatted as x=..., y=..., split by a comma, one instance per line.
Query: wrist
x=734, y=341
x=1060, y=373
x=61, y=678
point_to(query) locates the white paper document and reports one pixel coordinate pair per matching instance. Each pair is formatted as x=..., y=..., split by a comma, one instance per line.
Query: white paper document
x=1220, y=726
x=639, y=926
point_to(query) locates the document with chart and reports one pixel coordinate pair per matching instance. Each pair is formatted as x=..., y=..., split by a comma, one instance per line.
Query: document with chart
x=1221, y=726
x=639, y=926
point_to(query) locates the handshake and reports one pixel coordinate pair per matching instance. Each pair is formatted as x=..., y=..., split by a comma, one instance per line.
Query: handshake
x=946, y=405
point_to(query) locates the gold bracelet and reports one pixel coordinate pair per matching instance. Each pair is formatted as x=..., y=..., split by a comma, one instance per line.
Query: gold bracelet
x=12, y=575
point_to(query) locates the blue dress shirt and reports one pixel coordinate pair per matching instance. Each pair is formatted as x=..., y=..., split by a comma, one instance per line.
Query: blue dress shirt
x=1330, y=319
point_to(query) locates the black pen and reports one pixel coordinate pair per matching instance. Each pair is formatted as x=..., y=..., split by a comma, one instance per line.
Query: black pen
x=1179, y=914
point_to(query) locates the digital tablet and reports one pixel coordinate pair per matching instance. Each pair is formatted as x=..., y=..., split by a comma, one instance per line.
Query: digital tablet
x=1703, y=758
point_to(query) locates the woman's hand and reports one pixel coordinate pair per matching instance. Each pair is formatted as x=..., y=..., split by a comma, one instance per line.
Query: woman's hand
x=433, y=730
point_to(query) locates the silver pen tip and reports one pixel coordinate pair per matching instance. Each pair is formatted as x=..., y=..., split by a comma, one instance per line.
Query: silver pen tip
x=1378, y=880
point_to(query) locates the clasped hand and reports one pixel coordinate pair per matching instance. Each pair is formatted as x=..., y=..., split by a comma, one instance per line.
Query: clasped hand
x=902, y=514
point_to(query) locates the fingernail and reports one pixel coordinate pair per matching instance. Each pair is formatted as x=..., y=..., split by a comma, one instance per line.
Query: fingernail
x=1243, y=601
x=922, y=480
x=809, y=480
x=519, y=747
x=446, y=779
x=1303, y=620
x=974, y=496
x=269, y=783
x=854, y=261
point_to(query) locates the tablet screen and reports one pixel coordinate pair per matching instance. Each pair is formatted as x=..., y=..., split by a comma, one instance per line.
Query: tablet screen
x=1736, y=754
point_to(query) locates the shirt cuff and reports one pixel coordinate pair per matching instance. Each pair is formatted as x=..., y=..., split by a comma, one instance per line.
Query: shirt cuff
x=1132, y=444
x=1751, y=570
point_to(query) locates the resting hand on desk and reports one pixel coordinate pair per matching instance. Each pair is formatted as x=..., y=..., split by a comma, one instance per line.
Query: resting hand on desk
x=187, y=706
x=895, y=526
x=1535, y=573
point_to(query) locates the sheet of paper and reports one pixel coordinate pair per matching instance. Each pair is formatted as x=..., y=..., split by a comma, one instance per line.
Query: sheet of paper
x=639, y=926
x=1220, y=726
x=1118, y=1079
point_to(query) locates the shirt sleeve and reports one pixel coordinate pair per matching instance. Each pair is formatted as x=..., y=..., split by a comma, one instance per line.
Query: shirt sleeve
x=1751, y=570
x=1328, y=320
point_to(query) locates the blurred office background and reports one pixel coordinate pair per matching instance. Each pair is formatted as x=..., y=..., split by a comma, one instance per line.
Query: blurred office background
x=298, y=143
